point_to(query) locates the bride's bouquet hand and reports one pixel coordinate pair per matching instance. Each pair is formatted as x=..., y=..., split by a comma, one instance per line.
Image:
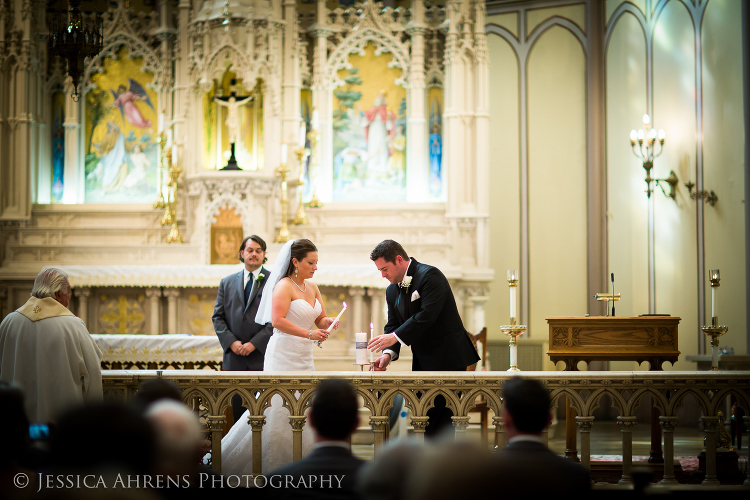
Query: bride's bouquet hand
x=318, y=335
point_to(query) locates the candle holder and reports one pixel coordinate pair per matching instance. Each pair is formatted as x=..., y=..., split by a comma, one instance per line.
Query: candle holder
x=513, y=331
x=174, y=235
x=283, y=234
x=161, y=139
x=714, y=330
x=314, y=201
x=301, y=217
x=362, y=366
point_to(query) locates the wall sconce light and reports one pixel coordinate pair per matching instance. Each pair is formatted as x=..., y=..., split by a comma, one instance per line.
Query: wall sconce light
x=648, y=136
x=707, y=196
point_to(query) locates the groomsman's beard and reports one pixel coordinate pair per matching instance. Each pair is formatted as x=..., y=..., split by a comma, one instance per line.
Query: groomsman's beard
x=253, y=265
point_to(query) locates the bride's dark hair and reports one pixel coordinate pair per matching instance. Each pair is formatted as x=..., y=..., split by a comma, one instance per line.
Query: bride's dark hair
x=299, y=251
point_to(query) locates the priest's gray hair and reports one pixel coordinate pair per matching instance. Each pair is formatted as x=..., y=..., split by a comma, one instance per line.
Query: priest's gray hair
x=50, y=281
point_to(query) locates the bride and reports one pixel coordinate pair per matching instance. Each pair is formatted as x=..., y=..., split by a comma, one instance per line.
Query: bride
x=296, y=311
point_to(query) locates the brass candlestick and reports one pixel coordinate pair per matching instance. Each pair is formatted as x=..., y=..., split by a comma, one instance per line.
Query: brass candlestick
x=513, y=331
x=301, y=217
x=170, y=215
x=161, y=139
x=283, y=234
x=314, y=201
x=714, y=330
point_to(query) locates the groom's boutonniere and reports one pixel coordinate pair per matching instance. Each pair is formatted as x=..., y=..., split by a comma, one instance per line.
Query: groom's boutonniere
x=260, y=278
x=405, y=282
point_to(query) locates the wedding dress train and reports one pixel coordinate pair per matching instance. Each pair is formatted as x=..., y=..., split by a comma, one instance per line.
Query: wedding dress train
x=283, y=353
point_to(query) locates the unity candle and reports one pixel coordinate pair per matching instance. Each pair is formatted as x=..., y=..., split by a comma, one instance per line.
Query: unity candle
x=372, y=336
x=513, y=284
x=360, y=343
x=337, y=318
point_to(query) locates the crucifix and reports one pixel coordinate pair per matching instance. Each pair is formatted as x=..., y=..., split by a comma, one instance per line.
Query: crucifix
x=233, y=123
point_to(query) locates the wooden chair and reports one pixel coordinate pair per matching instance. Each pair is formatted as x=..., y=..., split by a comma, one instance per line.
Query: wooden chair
x=481, y=403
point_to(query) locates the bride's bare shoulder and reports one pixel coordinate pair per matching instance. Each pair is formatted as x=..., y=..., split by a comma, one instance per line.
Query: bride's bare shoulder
x=284, y=286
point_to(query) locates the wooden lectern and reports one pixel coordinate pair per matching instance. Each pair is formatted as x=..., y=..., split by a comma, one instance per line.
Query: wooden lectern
x=601, y=338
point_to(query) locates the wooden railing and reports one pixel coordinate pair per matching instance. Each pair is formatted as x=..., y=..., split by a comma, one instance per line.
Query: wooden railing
x=211, y=392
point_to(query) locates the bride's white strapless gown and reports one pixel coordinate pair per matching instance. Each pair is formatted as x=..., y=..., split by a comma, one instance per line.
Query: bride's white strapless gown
x=283, y=353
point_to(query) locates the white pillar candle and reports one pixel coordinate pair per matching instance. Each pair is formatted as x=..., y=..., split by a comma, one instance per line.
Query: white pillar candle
x=372, y=336
x=302, y=135
x=512, y=304
x=360, y=341
x=713, y=302
x=283, y=153
x=315, y=117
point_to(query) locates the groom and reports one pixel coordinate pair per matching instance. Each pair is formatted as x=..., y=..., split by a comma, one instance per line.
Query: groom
x=422, y=313
x=243, y=340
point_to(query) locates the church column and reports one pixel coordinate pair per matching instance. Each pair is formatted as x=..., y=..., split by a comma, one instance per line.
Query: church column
x=627, y=424
x=321, y=97
x=74, y=170
x=482, y=137
x=711, y=424
x=452, y=130
x=584, y=426
x=379, y=425
x=461, y=424
x=357, y=323
x=292, y=85
x=216, y=425
x=418, y=165
x=181, y=94
x=83, y=304
x=499, y=424
x=668, y=425
x=153, y=295
x=257, y=424
x=420, y=425
x=297, y=423
x=376, y=309
x=172, y=294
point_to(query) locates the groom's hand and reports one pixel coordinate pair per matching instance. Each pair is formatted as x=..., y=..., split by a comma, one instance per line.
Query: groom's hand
x=382, y=341
x=382, y=363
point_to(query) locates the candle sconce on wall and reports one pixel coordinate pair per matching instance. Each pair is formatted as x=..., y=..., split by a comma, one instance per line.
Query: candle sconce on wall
x=648, y=136
x=707, y=196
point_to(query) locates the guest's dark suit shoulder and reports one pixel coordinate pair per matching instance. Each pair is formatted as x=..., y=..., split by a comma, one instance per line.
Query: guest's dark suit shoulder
x=527, y=466
x=324, y=462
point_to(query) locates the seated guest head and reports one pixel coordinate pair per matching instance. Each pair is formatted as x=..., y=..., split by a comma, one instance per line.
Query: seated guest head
x=178, y=436
x=387, y=476
x=334, y=410
x=104, y=437
x=54, y=283
x=155, y=390
x=13, y=419
x=526, y=407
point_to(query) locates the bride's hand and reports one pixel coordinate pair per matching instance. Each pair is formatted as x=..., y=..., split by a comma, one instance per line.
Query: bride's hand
x=327, y=322
x=320, y=335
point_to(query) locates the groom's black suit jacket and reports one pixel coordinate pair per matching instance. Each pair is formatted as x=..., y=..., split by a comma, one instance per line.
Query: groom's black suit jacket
x=429, y=324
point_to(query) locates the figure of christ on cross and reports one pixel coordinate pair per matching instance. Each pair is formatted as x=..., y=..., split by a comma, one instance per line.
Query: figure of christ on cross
x=233, y=122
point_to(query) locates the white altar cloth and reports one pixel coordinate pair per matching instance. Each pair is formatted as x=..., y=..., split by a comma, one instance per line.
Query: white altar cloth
x=160, y=349
x=359, y=275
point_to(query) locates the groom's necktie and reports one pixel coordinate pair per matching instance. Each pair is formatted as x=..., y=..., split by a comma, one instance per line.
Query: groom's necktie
x=248, y=288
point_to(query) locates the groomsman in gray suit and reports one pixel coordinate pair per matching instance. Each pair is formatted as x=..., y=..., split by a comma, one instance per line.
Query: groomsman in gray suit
x=244, y=341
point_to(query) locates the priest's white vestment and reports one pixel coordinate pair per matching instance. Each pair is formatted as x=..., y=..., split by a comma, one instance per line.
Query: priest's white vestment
x=48, y=352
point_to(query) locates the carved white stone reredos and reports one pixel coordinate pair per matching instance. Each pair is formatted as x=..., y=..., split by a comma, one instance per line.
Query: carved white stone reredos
x=133, y=30
x=373, y=26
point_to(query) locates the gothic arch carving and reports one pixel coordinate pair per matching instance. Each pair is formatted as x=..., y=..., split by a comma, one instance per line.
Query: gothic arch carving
x=232, y=201
x=356, y=43
x=136, y=48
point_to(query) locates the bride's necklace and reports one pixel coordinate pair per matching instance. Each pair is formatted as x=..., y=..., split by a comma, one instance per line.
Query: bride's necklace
x=298, y=288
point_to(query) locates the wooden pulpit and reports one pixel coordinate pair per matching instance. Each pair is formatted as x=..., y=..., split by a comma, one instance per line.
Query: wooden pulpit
x=600, y=338
x=613, y=338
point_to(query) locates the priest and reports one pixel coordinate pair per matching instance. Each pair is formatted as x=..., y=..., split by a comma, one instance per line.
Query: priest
x=48, y=352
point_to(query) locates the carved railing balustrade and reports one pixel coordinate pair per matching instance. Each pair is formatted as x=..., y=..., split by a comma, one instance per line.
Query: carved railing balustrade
x=211, y=393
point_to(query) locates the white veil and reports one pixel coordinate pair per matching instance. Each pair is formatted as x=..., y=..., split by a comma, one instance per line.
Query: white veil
x=279, y=269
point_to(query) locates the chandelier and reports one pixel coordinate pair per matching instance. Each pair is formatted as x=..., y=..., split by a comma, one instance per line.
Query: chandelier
x=74, y=38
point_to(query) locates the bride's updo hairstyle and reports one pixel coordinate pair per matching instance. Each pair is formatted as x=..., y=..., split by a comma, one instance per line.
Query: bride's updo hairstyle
x=299, y=250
